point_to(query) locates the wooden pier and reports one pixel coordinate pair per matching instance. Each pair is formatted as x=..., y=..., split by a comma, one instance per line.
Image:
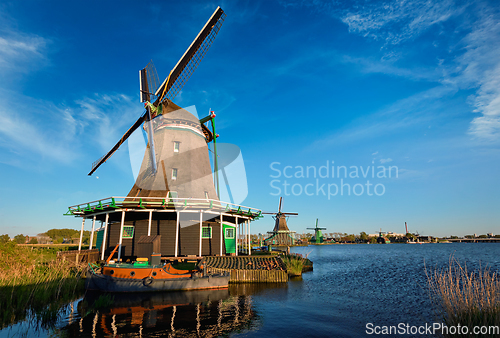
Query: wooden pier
x=245, y=269
x=79, y=256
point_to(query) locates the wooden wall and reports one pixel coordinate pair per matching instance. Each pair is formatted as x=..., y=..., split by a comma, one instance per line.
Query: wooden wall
x=189, y=236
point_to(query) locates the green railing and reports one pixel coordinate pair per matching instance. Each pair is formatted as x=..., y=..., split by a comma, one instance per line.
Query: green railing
x=174, y=203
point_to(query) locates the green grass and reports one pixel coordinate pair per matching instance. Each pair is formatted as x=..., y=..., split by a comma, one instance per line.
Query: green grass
x=294, y=264
x=466, y=298
x=33, y=282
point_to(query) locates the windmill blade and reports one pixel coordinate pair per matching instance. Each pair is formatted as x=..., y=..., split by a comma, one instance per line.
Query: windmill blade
x=279, y=208
x=191, y=58
x=148, y=80
x=290, y=213
x=125, y=136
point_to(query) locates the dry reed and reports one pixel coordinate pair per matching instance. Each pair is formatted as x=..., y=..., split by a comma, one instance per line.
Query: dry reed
x=466, y=298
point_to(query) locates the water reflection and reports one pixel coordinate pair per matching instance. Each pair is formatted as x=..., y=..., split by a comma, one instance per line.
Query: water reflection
x=205, y=313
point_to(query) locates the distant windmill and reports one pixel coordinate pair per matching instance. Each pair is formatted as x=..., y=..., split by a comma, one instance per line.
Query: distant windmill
x=281, y=235
x=318, y=235
x=381, y=239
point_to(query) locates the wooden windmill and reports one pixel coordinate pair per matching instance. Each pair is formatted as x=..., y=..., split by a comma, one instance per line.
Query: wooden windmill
x=176, y=161
x=173, y=207
x=281, y=235
x=318, y=235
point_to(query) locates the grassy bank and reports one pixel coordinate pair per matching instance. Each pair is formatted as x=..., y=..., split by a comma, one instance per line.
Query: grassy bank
x=466, y=298
x=33, y=282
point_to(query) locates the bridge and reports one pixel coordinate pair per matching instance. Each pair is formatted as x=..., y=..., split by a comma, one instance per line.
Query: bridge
x=474, y=240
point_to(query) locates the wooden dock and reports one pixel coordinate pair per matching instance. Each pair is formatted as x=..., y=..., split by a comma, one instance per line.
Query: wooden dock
x=245, y=269
x=79, y=256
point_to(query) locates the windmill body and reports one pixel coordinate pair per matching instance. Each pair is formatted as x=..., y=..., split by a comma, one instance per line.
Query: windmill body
x=174, y=202
x=181, y=156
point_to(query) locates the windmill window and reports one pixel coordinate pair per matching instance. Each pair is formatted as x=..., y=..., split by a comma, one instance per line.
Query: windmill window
x=176, y=146
x=230, y=233
x=206, y=232
x=174, y=173
x=128, y=232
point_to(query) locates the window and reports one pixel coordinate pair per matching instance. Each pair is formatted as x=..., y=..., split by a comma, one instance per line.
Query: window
x=206, y=195
x=206, y=232
x=174, y=173
x=176, y=146
x=128, y=232
x=229, y=232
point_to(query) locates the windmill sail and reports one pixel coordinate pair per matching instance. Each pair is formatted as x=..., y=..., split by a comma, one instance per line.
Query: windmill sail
x=191, y=58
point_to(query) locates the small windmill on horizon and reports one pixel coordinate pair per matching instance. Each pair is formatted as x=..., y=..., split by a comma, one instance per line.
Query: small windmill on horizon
x=318, y=235
x=280, y=235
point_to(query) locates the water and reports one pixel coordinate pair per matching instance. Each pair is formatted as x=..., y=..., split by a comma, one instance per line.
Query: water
x=351, y=285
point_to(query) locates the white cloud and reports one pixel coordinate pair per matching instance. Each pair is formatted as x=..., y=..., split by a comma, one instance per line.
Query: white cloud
x=398, y=21
x=385, y=160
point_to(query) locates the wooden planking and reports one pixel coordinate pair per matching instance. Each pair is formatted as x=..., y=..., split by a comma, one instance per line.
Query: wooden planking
x=253, y=276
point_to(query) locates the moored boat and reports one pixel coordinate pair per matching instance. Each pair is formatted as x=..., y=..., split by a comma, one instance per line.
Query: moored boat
x=141, y=276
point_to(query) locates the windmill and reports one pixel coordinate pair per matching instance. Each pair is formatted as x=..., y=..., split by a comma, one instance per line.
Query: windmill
x=174, y=204
x=166, y=170
x=318, y=235
x=281, y=235
x=382, y=239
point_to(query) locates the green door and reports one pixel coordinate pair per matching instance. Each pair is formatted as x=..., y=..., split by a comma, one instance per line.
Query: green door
x=229, y=238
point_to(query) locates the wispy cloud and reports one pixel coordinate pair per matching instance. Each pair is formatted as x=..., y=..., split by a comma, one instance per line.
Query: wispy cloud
x=398, y=21
x=474, y=62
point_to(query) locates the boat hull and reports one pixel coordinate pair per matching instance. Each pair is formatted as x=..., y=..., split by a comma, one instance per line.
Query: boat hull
x=107, y=283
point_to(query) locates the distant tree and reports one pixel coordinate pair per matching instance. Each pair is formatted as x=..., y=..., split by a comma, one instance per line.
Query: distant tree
x=363, y=236
x=4, y=238
x=373, y=240
x=20, y=239
x=483, y=236
x=34, y=240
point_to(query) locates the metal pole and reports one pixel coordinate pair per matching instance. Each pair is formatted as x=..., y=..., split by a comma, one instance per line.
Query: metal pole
x=177, y=234
x=216, y=167
x=237, y=233
x=121, y=236
x=201, y=230
x=221, y=231
x=81, y=235
x=92, y=234
x=104, y=237
x=149, y=224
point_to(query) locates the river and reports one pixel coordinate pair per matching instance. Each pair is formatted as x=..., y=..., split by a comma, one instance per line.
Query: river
x=352, y=288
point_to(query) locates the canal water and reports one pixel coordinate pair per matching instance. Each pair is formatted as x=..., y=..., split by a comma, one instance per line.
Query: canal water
x=352, y=286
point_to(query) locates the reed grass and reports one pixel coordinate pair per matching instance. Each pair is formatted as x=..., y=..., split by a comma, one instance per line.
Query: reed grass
x=294, y=264
x=33, y=283
x=466, y=298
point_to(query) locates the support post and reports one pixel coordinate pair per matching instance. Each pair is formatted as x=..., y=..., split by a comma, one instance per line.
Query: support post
x=149, y=224
x=237, y=234
x=105, y=235
x=121, y=237
x=92, y=234
x=177, y=234
x=221, y=233
x=201, y=232
x=81, y=235
x=249, y=240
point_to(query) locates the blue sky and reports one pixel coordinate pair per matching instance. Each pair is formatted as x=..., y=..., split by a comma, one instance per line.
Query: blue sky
x=409, y=84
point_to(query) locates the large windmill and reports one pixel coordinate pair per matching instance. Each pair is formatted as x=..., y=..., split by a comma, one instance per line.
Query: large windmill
x=166, y=168
x=174, y=201
x=281, y=235
x=318, y=235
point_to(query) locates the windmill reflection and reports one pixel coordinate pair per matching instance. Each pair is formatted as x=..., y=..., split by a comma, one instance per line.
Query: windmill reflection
x=204, y=313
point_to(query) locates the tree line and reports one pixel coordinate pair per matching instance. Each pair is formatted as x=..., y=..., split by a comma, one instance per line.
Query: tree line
x=57, y=236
